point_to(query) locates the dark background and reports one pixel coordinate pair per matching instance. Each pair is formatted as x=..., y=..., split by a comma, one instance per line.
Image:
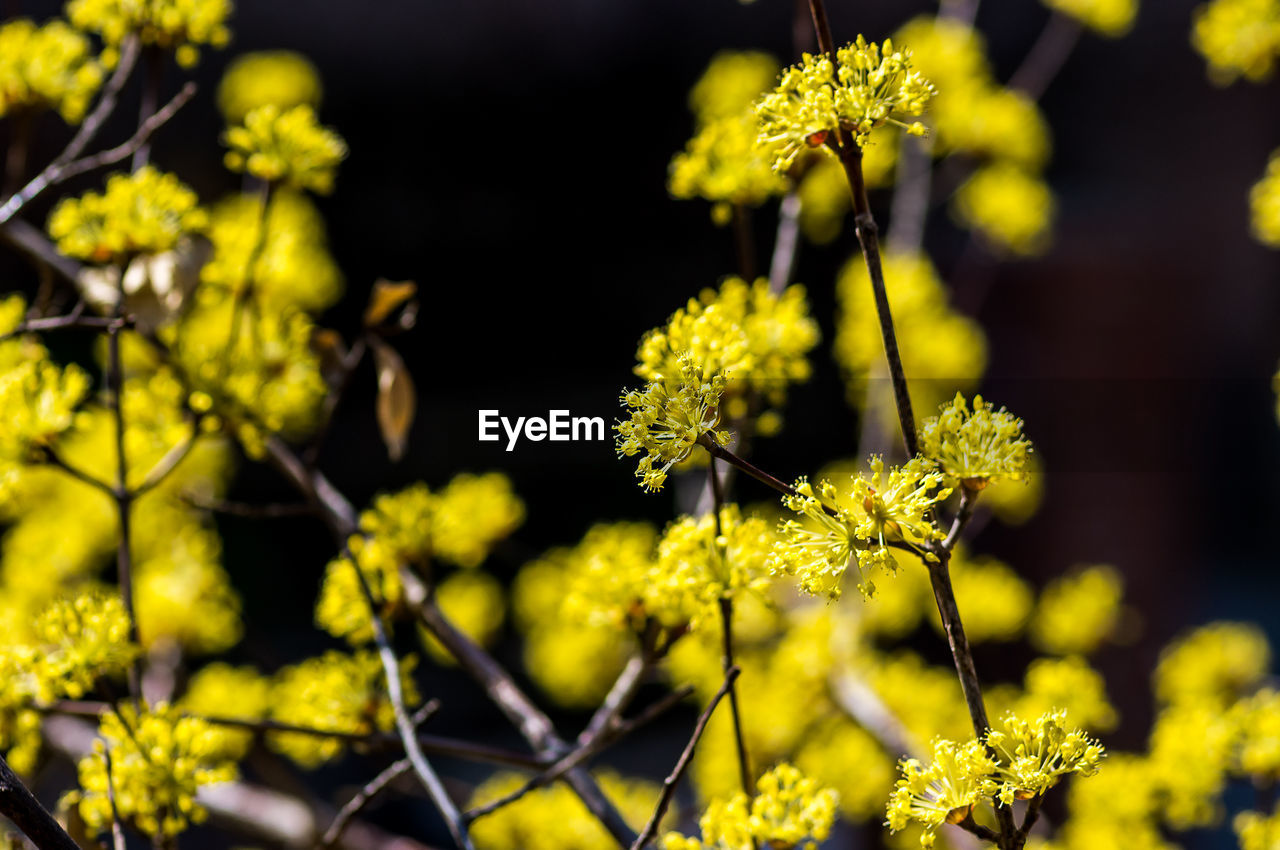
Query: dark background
x=510, y=156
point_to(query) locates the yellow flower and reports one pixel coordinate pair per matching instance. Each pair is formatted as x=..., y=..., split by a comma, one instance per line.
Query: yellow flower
x=1078, y=611
x=723, y=164
x=1257, y=718
x=1108, y=17
x=1264, y=205
x=731, y=82
x=286, y=146
x=814, y=101
x=978, y=447
x=220, y=690
x=179, y=25
x=159, y=760
x=146, y=212
x=1237, y=38
x=81, y=639
x=473, y=602
x=1257, y=831
x=945, y=791
x=667, y=419
x=1031, y=756
x=1011, y=208
x=789, y=809
x=994, y=598
x=1215, y=663
x=1070, y=684
x=46, y=67
x=860, y=522
x=280, y=78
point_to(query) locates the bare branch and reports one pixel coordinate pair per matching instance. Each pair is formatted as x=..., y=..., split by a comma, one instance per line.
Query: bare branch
x=133, y=144
x=167, y=464
x=19, y=806
x=1047, y=56
x=669, y=784
x=361, y=799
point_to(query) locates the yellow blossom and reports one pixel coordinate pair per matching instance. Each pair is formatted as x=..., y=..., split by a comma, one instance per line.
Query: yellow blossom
x=978, y=447
x=1237, y=38
x=862, y=521
x=814, y=102
x=146, y=212
x=1070, y=684
x=81, y=639
x=944, y=791
x=159, y=760
x=179, y=25
x=723, y=164
x=995, y=600
x=1111, y=18
x=1264, y=204
x=46, y=67
x=281, y=78
x=473, y=602
x=732, y=81
x=1008, y=206
x=341, y=609
x=220, y=690
x=286, y=146
x=1214, y=663
x=1031, y=756
x=1257, y=831
x=1257, y=719
x=1078, y=611
x=789, y=809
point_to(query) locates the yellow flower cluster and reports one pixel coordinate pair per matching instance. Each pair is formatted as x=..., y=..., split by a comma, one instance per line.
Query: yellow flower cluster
x=722, y=162
x=554, y=818
x=474, y=603
x=158, y=761
x=222, y=691
x=293, y=268
x=286, y=146
x=334, y=693
x=1264, y=204
x=668, y=417
x=1078, y=611
x=80, y=640
x=280, y=78
x=1069, y=684
x=37, y=396
x=1010, y=207
x=341, y=609
x=1257, y=721
x=1108, y=17
x=1257, y=831
x=815, y=103
x=789, y=809
x=1213, y=664
x=179, y=25
x=46, y=67
x=146, y=212
x=1018, y=760
x=758, y=339
x=1237, y=38
x=975, y=448
x=459, y=524
x=939, y=346
x=861, y=521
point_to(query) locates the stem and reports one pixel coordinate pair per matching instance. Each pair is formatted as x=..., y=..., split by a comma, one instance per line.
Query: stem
x=1047, y=56
x=123, y=496
x=669, y=784
x=154, y=58
x=361, y=799
x=851, y=159
x=786, y=243
x=726, y=630
x=744, y=242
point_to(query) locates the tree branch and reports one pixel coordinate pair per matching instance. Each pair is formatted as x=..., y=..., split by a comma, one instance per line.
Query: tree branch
x=20, y=806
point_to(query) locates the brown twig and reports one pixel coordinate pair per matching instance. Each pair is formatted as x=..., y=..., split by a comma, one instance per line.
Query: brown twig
x=88, y=130
x=134, y=144
x=52, y=458
x=117, y=832
x=361, y=799
x=968, y=500
x=250, y=511
x=726, y=631
x=1028, y=821
x=123, y=498
x=972, y=826
x=154, y=58
x=170, y=461
x=669, y=784
x=786, y=243
x=334, y=398
x=20, y=806
x=1047, y=56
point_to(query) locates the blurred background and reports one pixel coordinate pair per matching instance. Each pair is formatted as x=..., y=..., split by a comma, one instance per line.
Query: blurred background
x=511, y=157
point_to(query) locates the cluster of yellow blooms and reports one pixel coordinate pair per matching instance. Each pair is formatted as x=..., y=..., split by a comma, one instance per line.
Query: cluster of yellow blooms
x=178, y=25
x=860, y=520
x=1238, y=38
x=722, y=162
x=788, y=809
x=1078, y=611
x=975, y=448
x=152, y=762
x=270, y=77
x=146, y=212
x=1264, y=204
x=1018, y=759
x=286, y=146
x=46, y=67
x=1108, y=17
x=460, y=524
x=815, y=102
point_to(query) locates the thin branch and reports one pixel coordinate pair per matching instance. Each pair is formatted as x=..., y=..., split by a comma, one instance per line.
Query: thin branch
x=133, y=144
x=972, y=826
x=408, y=735
x=154, y=58
x=250, y=511
x=669, y=784
x=786, y=243
x=968, y=500
x=334, y=398
x=612, y=733
x=169, y=462
x=31, y=241
x=726, y=633
x=858, y=700
x=744, y=242
x=75, y=320
x=123, y=498
x=1047, y=56
x=361, y=799
x=20, y=806
x=619, y=696
x=53, y=459
x=117, y=833
x=1028, y=820
x=88, y=130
